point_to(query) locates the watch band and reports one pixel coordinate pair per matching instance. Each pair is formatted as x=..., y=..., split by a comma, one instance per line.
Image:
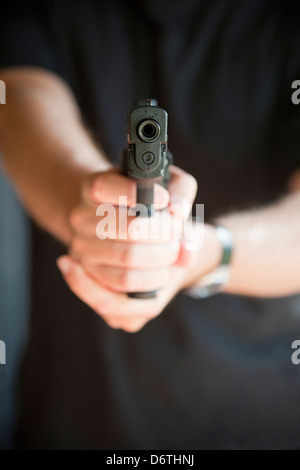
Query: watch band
x=215, y=281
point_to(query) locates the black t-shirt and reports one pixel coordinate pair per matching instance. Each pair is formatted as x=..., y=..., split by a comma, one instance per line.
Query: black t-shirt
x=206, y=374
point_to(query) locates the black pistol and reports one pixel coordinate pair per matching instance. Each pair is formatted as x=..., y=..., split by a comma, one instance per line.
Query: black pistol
x=147, y=158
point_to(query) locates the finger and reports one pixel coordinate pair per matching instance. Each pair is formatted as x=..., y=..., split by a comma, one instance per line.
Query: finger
x=117, y=254
x=94, y=295
x=191, y=243
x=129, y=280
x=107, y=187
x=189, y=254
x=104, y=301
x=109, y=222
x=182, y=189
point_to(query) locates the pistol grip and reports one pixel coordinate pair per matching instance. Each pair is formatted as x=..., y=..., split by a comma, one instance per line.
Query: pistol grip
x=144, y=196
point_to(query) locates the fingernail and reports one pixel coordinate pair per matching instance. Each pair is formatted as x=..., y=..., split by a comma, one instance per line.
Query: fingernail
x=64, y=264
x=161, y=196
x=180, y=207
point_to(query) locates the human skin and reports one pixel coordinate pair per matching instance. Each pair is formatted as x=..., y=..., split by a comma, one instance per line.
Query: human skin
x=62, y=176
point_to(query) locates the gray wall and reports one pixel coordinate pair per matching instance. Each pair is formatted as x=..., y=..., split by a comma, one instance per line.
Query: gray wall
x=14, y=302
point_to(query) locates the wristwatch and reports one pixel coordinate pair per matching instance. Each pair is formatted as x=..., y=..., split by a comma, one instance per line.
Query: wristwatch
x=215, y=281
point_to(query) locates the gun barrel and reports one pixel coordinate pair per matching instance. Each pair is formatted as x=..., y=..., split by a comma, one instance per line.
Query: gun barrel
x=146, y=159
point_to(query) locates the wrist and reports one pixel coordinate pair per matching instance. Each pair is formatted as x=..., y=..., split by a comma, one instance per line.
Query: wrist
x=217, y=279
x=209, y=256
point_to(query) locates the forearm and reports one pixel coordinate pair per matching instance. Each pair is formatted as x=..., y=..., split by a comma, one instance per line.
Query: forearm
x=266, y=256
x=46, y=150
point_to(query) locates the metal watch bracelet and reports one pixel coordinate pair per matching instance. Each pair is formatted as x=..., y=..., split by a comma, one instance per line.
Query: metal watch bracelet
x=215, y=281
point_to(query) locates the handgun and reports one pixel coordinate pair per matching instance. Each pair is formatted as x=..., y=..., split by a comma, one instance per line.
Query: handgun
x=146, y=158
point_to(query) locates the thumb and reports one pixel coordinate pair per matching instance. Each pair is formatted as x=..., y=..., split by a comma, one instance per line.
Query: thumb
x=182, y=189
